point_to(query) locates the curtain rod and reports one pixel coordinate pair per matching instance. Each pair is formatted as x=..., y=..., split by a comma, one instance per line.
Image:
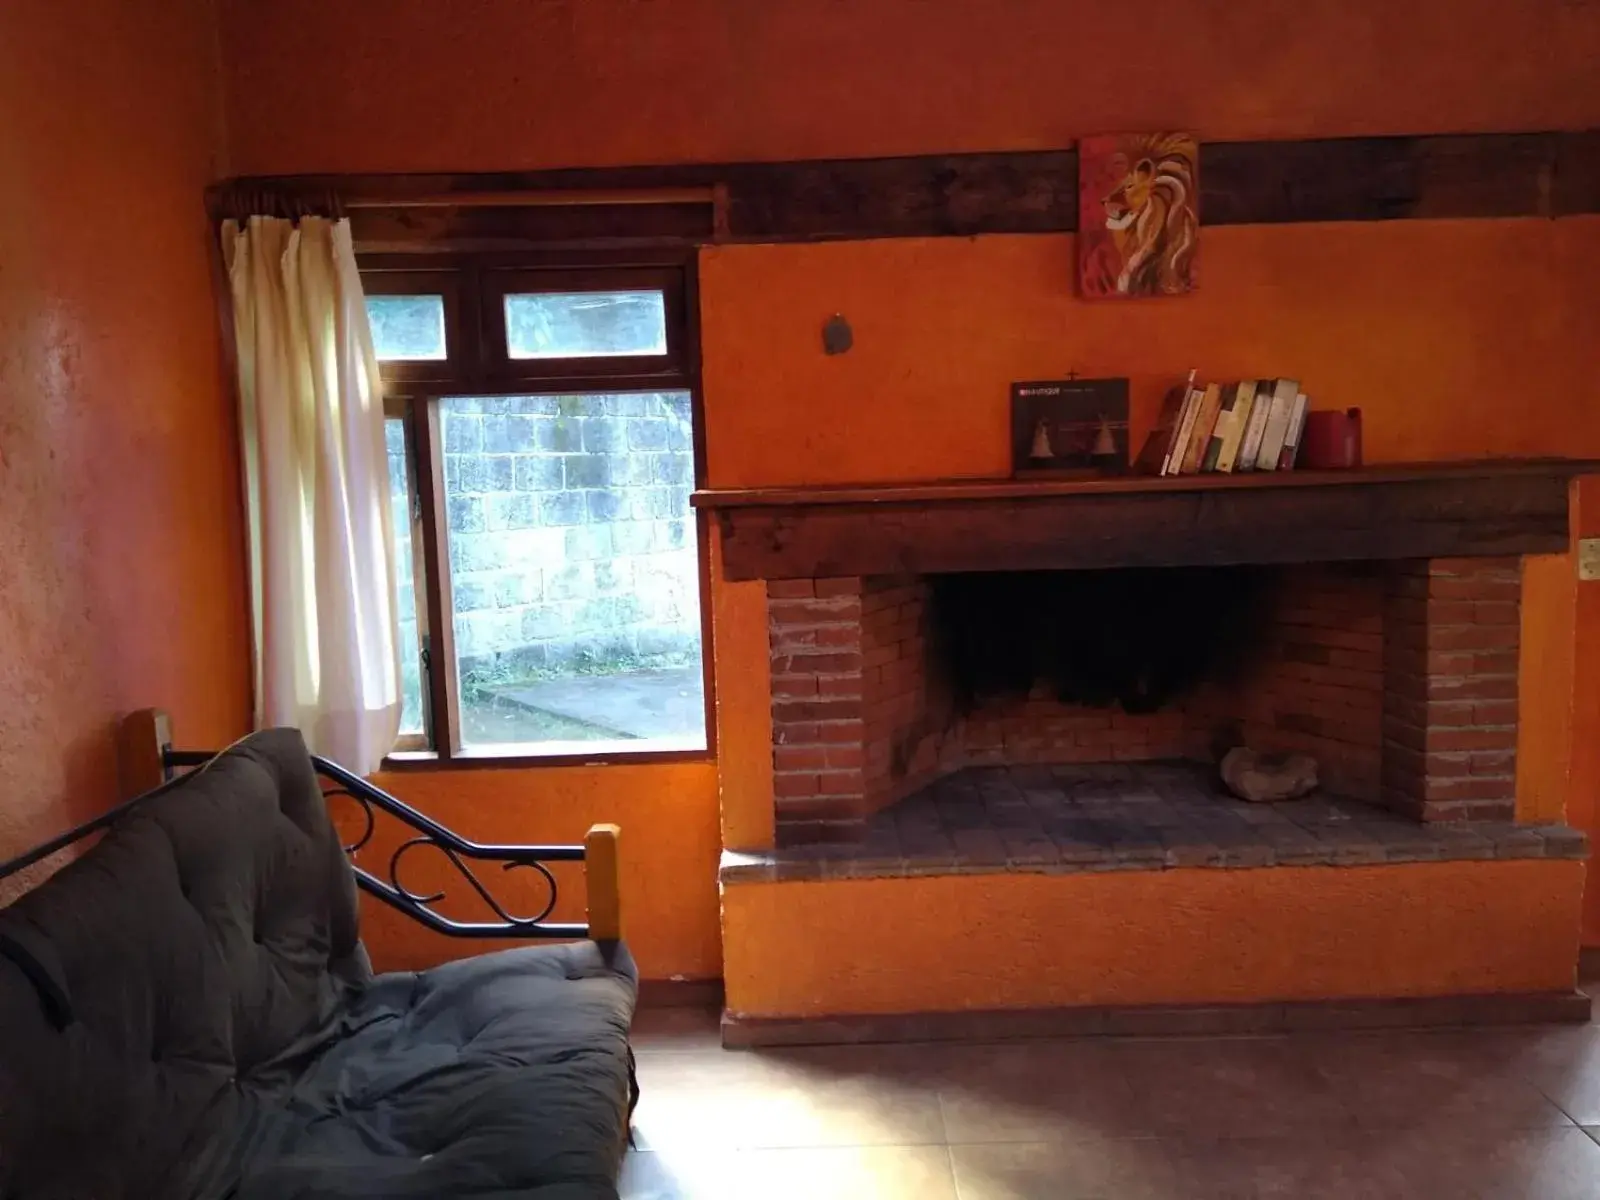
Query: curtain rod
x=241, y=203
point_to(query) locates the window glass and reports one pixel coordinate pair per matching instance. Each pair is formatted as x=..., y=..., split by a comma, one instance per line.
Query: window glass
x=411, y=722
x=574, y=571
x=585, y=324
x=407, y=328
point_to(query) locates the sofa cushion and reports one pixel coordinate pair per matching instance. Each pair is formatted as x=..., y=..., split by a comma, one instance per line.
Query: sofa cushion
x=501, y=1075
x=209, y=930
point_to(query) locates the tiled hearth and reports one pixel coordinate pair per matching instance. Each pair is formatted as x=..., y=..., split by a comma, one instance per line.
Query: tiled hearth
x=1133, y=816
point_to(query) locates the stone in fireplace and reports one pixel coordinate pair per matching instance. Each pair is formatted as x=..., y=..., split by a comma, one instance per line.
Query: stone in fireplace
x=1400, y=678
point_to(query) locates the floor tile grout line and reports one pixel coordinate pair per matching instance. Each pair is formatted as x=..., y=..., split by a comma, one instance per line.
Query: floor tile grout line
x=1554, y=1102
x=950, y=1165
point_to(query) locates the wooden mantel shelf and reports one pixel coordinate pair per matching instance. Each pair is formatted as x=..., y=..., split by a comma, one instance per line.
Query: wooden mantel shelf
x=1496, y=507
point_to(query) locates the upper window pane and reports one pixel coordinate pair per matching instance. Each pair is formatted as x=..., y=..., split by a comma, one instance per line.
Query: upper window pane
x=408, y=328
x=586, y=324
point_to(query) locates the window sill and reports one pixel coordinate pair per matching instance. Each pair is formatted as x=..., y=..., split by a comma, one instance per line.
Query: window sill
x=570, y=754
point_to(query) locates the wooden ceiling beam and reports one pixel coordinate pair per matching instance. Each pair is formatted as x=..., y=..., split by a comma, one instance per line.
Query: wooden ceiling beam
x=1541, y=174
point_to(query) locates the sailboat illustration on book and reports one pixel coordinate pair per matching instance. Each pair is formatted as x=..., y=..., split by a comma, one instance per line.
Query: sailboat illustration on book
x=1041, y=451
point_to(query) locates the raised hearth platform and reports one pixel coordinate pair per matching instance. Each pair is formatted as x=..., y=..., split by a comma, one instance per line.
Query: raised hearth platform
x=1133, y=897
x=1133, y=817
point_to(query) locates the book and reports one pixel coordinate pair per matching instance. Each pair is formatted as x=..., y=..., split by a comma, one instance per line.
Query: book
x=1291, y=442
x=1259, y=412
x=1283, y=394
x=1205, y=420
x=1185, y=408
x=1238, y=425
x=1157, y=449
x=1223, y=429
x=1180, y=444
x=1069, y=425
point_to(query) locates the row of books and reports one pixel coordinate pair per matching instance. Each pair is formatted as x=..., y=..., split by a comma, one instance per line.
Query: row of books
x=1251, y=425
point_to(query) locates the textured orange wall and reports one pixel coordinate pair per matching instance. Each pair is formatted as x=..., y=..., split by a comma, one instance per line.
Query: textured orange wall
x=1457, y=338
x=1409, y=320
x=669, y=856
x=419, y=85
x=951, y=942
x=121, y=569
x=744, y=711
x=1583, y=783
x=1545, y=679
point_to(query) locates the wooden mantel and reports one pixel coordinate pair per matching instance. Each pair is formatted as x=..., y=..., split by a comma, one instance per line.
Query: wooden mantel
x=1496, y=507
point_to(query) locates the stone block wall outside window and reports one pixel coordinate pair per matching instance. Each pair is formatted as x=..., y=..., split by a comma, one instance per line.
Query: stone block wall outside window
x=572, y=547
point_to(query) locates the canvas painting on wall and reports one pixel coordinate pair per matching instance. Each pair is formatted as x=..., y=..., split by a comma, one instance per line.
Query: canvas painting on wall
x=1138, y=214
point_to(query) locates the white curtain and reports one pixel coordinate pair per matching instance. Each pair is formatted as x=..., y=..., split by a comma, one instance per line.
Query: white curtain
x=317, y=488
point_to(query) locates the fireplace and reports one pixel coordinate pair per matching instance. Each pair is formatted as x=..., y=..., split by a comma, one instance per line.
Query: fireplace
x=996, y=709
x=1399, y=678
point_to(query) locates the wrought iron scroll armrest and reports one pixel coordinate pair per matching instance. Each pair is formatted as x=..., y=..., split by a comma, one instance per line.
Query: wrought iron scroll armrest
x=458, y=851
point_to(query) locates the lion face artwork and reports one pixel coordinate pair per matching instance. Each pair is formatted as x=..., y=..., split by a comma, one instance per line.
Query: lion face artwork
x=1138, y=214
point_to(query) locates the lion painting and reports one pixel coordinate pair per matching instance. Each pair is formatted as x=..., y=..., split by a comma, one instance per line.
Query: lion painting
x=1138, y=218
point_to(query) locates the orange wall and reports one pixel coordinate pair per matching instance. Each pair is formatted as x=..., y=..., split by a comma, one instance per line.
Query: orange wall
x=419, y=85
x=1457, y=338
x=669, y=856
x=121, y=569
x=1583, y=784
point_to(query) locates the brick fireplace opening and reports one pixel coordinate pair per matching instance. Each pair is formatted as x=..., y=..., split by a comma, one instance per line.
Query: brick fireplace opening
x=1398, y=677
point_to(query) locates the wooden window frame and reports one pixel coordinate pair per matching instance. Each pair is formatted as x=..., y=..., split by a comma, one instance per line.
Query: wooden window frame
x=477, y=365
x=415, y=743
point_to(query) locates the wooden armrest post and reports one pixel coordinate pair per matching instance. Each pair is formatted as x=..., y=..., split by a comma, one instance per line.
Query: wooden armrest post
x=142, y=740
x=602, y=882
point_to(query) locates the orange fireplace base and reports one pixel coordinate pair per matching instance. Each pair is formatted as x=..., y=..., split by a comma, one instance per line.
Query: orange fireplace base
x=952, y=943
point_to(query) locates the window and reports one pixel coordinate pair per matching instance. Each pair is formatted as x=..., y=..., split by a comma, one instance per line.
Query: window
x=542, y=451
x=408, y=328
x=585, y=324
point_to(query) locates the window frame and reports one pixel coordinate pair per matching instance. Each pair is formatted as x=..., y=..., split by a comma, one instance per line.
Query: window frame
x=458, y=320
x=414, y=743
x=498, y=283
x=477, y=364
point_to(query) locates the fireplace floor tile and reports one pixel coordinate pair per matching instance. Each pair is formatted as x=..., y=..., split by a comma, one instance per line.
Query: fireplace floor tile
x=1132, y=817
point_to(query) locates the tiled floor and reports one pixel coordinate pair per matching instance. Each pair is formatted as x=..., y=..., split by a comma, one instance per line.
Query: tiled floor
x=1505, y=1113
x=1133, y=816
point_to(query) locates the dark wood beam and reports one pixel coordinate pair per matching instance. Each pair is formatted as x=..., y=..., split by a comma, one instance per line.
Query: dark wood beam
x=1450, y=511
x=1540, y=174
x=498, y=228
x=955, y=195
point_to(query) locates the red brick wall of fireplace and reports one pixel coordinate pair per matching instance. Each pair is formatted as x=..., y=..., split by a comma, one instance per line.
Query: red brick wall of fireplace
x=1400, y=679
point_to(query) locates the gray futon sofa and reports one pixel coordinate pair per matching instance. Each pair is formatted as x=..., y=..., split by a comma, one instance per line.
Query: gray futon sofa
x=187, y=1011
